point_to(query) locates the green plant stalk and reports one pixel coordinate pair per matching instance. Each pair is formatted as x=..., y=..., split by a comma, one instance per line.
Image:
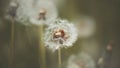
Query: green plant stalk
x=12, y=44
x=59, y=58
x=27, y=33
x=42, y=48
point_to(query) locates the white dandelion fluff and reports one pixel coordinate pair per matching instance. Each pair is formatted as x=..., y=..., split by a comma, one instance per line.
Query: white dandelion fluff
x=56, y=2
x=12, y=9
x=44, y=12
x=82, y=60
x=60, y=34
x=59, y=2
x=24, y=11
x=35, y=11
x=86, y=26
x=20, y=10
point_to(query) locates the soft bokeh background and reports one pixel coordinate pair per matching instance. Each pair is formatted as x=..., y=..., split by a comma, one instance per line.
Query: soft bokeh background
x=104, y=12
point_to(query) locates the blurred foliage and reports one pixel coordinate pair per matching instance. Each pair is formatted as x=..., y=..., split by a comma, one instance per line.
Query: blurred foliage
x=105, y=12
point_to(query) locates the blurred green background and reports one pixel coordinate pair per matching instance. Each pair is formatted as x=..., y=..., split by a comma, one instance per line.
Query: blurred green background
x=106, y=13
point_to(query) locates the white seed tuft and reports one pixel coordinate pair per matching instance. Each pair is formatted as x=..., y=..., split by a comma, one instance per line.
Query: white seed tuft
x=82, y=60
x=60, y=34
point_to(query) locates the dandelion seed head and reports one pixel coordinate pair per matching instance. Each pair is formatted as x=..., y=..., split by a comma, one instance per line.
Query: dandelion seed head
x=11, y=11
x=82, y=60
x=60, y=34
x=44, y=12
x=24, y=11
x=86, y=26
x=33, y=11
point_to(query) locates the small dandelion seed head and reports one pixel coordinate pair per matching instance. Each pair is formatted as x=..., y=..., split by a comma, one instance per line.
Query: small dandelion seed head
x=24, y=11
x=60, y=34
x=44, y=12
x=11, y=11
x=82, y=60
x=86, y=26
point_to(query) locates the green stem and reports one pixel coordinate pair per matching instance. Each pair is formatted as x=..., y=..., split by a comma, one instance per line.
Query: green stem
x=27, y=33
x=59, y=57
x=42, y=48
x=12, y=44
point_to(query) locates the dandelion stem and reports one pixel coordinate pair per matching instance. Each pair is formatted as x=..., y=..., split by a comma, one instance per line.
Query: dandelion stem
x=27, y=33
x=59, y=57
x=42, y=48
x=12, y=44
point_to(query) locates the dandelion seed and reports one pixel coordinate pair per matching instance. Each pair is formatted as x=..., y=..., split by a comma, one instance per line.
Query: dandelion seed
x=60, y=34
x=82, y=60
